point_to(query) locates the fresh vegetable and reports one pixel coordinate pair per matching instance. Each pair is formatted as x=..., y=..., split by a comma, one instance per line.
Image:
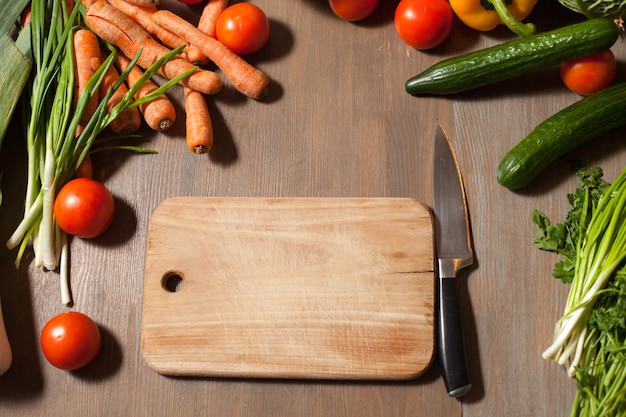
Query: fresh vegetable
x=116, y=27
x=128, y=121
x=423, y=24
x=14, y=72
x=209, y=16
x=246, y=78
x=353, y=10
x=143, y=16
x=574, y=125
x=84, y=208
x=85, y=169
x=70, y=340
x=589, y=74
x=15, y=67
x=199, y=129
x=485, y=15
x=243, y=28
x=57, y=142
x=145, y=3
x=514, y=58
x=50, y=110
x=158, y=113
x=87, y=60
x=594, y=9
x=590, y=338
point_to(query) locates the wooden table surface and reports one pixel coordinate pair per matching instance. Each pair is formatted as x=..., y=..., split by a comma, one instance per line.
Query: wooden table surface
x=337, y=123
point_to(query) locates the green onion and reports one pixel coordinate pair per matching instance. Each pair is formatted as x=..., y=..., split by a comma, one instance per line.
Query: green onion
x=55, y=150
x=590, y=338
x=601, y=249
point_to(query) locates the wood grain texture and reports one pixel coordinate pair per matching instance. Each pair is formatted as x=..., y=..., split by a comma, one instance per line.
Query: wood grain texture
x=289, y=288
x=337, y=123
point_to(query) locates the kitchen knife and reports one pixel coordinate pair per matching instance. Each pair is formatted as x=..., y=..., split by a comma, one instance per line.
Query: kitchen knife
x=454, y=252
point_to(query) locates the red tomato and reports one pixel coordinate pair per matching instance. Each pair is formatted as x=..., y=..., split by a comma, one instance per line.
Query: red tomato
x=423, y=24
x=589, y=74
x=243, y=27
x=84, y=208
x=70, y=340
x=353, y=10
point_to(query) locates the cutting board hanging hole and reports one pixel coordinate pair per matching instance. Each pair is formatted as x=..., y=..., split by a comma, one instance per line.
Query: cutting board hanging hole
x=172, y=281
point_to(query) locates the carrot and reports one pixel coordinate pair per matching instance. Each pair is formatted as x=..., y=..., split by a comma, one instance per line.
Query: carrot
x=199, y=129
x=160, y=113
x=143, y=16
x=129, y=120
x=117, y=28
x=145, y=3
x=85, y=169
x=246, y=78
x=25, y=16
x=87, y=62
x=210, y=13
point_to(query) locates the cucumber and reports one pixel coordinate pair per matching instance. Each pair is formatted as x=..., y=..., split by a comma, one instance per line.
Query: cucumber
x=514, y=58
x=567, y=129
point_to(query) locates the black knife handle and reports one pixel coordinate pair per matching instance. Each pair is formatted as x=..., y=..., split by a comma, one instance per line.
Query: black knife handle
x=450, y=338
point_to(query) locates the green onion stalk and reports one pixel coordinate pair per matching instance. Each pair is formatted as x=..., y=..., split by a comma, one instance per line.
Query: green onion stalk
x=590, y=337
x=600, y=251
x=55, y=150
x=601, y=373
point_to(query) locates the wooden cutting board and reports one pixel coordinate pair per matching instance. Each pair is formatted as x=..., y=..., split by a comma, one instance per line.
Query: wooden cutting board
x=289, y=288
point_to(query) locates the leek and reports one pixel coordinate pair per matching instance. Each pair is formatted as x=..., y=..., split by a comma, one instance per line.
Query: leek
x=16, y=65
x=13, y=77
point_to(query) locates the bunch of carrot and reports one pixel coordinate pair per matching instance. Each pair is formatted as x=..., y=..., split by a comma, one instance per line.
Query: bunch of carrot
x=138, y=25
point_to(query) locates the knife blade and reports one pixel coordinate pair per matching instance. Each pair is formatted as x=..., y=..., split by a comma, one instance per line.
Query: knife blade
x=454, y=252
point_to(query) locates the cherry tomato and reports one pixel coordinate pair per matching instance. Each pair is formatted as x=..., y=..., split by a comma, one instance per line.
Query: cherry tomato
x=353, y=10
x=84, y=208
x=243, y=27
x=589, y=74
x=70, y=340
x=423, y=24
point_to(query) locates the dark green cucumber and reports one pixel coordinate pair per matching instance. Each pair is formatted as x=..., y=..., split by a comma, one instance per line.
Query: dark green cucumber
x=567, y=129
x=514, y=58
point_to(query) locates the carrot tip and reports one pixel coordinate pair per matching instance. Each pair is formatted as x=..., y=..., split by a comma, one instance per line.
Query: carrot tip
x=200, y=149
x=263, y=93
x=164, y=124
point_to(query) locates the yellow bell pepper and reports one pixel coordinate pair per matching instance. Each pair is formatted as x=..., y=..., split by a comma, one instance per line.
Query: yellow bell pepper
x=485, y=15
